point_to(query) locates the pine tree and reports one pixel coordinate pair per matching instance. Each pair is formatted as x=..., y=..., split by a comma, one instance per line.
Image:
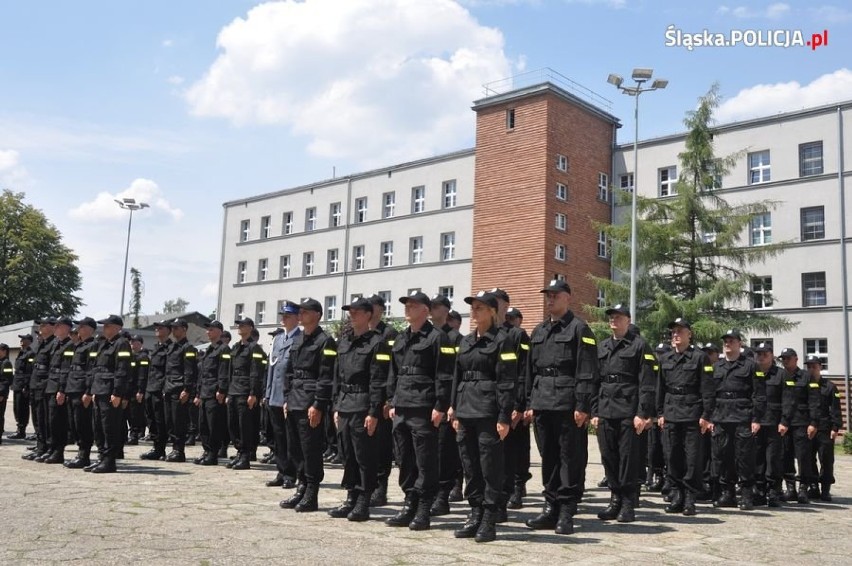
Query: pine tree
x=137, y=289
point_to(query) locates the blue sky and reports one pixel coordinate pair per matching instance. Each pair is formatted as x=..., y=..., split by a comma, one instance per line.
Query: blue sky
x=189, y=104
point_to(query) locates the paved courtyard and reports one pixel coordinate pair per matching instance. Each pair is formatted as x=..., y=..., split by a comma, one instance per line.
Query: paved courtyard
x=185, y=514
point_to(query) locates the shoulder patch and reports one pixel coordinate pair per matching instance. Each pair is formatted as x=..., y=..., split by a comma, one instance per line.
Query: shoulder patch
x=226, y=356
x=189, y=354
x=813, y=385
x=93, y=354
x=124, y=354
x=68, y=353
x=391, y=342
x=525, y=346
x=790, y=383
x=329, y=352
x=760, y=374
x=837, y=394
x=589, y=340
x=448, y=350
x=708, y=368
x=257, y=356
x=143, y=362
x=508, y=356
x=383, y=357
x=650, y=357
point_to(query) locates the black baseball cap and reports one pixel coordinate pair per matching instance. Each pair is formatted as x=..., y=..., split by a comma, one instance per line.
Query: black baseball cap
x=4, y=346
x=486, y=297
x=557, y=286
x=417, y=297
x=618, y=309
x=245, y=321
x=682, y=322
x=112, y=319
x=454, y=315
x=733, y=333
x=514, y=313
x=441, y=300
x=788, y=353
x=500, y=294
x=359, y=304
x=710, y=347
x=46, y=320
x=812, y=359
x=226, y=334
x=26, y=337
x=137, y=338
x=66, y=320
x=311, y=305
x=377, y=300
x=763, y=347
x=214, y=324
x=163, y=324
x=662, y=348
x=179, y=322
x=87, y=321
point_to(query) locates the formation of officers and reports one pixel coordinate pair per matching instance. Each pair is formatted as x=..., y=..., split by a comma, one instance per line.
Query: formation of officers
x=450, y=410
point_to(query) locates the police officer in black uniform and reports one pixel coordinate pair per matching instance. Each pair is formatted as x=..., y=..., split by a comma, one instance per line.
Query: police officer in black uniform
x=77, y=384
x=419, y=395
x=213, y=377
x=768, y=466
x=384, y=434
x=38, y=380
x=245, y=390
x=7, y=374
x=60, y=364
x=830, y=422
x=155, y=406
x=623, y=411
x=136, y=405
x=518, y=442
x=307, y=397
x=562, y=383
x=737, y=409
x=799, y=421
x=179, y=388
x=360, y=385
x=685, y=393
x=20, y=387
x=109, y=388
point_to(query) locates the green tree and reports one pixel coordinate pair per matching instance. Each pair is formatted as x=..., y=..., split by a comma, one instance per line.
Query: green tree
x=38, y=273
x=137, y=289
x=692, y=261
x=175, y=306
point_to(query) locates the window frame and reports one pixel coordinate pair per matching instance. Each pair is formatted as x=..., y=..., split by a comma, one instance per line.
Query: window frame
x=603, y=245
x=335, y=214
x=626, y=177
x=448, y=246
x=563, y=188
x=263, y=269
x=360, y=210
x=284, y=262
x=308, y=267
x=330, y=307
x=415, y=255
x=669, y=183
x=818, y=234
x=817, y=349
x=356, y=257
x=760, y=290
x=386, y=253
x=245, y=230
x=265, y=227
x=560, y=252
x=287, y=224
x=811, y=294
x=803, y=160
x=242, y=272
x=449, y=194
x=418, y=199
x=759, y=172
x=561, y=222
x=389, y=206
x=333, y=260
x=763, y=231
x=603, y=187
x=310, y=219
x=259, y=312
x=562, y=163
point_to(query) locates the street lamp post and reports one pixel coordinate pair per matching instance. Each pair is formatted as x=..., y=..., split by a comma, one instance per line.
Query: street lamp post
x=640, y=76
x=131, y=205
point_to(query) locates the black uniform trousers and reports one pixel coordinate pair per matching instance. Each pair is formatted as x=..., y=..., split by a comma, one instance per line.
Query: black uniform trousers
x=3, y=415
x=684, y=446
x=193, y=420
x=769, y=458
x=278, y=422
x=416, y=444
x=656, y=455
x=483, y=461
x=150, y=414
x=619, y=445
x=733, y=454
x=156, y=407
x=136, y=417
x=518, y=449
x=384, y=436
x=108, y=421
x=177, y=416
x=82, y=421
x=38, y=404
x=213, y=420
x=581, y=462
x=823, y=449
x=305, y=446
x=21, y=409
x=58, y=415
x=449, y=461
x=331, y=433
x=708, y=474
x=788, y=457
x=242, y=423
x=803, y=447
x=359, y=452
x=560, y=446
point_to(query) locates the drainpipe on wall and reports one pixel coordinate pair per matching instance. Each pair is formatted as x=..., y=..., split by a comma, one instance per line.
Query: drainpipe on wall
x=343, y=299
x=843, y=270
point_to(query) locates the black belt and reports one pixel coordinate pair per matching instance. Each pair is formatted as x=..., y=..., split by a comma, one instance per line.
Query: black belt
x=42, y=366
x=354, y=388
x=732, y=395
x=302, y=374
x=682, y=390
x=240, y=374
x=552, y=372
x=619, y=379
x=413, y=370
x=473, y=375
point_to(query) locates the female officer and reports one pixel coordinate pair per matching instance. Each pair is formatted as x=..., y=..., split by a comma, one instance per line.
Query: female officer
x=481, y=409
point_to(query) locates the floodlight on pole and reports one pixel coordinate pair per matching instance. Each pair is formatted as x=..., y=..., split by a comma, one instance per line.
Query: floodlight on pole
x=131, y=205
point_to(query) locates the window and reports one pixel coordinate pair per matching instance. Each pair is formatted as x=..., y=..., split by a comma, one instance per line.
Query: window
x=358, y=258
x=387, y=254
x=810, y=159
x=510, y=119
x=813, y=289
x=561, y=191
x=817, y=347
x=668, y=181
x=416, y=246
x=333, y=261
x=335, y=215
x=265, y=225
x=241, y=272
x=307, y=264
x=245, y=230
x=311, y=219
x=603, y=187
x=448, y=246
x=813, y=223
x=389, y=200
x=386, y=295
x=561, y=221
x=259, y=312
x=447, y=292
x=758, y=167
x=601, y=299
x=331, y=307
x=448, y=189
x=418, y=199
x=761, y=229
x=761, y=292
x=626, y=182
x=239, y=309
x=361, y=209
x=287, y=223
x=560, y=253
x=602, y=247
x=285, y=267
x=561, y=162
x=263, y=269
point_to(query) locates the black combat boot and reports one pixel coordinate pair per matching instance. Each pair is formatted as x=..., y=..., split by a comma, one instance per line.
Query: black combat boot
x=825, y=494
x=676, y=504
x=565, y=523
x=487, y=530
x=342, y=510
x=210, y=460
x=242, y=462
x=94, y=464
x=379, y=497
x=233, y=461
x=223, y=452
x=790, y=493
x=773, y=497
x=627, y=514
x=759, y=497
x=201, y=458
x=45, y=455
x=747, y=498
x=294, y=499
x=666, y=489
x=471, y=525
x=611, y=512
x=603, y=482
x=546, y=519
x=361, y=511
x=726, y=499
x=516, y=501
x=442, y=504
x=56, y=457
x=80, y=462
x=105, y=466
x=456, y=494
x=421, y=520
x=802, y=498
x=689, y=504
x=153, y=454
x=20, y=435
x=176, y=456
x=813, y=491
x=309, y=502
x=406, y=514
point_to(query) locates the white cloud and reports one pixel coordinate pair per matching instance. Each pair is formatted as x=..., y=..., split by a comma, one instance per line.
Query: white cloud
x=829, y=14
x=12, y=174
x=104, y=207
x=210, y=290
x=370, y=80
x=768, y=99
x=175, y=80
x=8, y=159
x=772, y=12
x=167, y=43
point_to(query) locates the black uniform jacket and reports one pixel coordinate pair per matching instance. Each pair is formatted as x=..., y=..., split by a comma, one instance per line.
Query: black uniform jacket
x=361, y=373
x=181, y=368
x=421, y=373
x=740, y=393
x=562, y=367
x=157, y=369
x=685, y=389
x=801, y=402
x=830, y=416
x=214, y=370
x=310, y=367
x=41, y=363
x=142, y=358
x=628, y=369
x=23, y=369
x=60, y=365
x=248, y=370
x=79, y=375
x=7, y=373
x=111, y=367
x=776, y=382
